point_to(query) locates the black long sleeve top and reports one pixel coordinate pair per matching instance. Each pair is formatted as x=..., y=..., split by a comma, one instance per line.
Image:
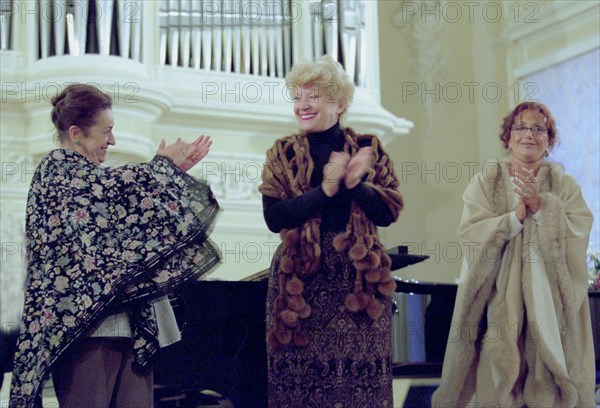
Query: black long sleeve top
x=335, y=211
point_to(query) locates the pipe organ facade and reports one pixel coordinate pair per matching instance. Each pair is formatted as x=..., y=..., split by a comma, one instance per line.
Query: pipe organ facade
x=235, y=36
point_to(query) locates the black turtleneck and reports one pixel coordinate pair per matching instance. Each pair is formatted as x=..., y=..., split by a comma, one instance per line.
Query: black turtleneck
x=335, y=211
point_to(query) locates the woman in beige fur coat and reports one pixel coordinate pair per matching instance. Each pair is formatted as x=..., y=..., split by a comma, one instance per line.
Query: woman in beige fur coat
x=521, y=330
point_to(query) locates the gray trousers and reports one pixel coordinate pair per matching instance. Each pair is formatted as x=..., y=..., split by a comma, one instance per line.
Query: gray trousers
x=97, y=373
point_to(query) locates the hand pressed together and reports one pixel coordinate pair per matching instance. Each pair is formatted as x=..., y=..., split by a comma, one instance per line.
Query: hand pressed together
x=526, y=188
x=350, y=169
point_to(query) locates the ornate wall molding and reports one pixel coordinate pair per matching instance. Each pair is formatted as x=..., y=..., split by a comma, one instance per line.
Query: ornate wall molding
x=234, y=178
x=552, y=32
x=422, y=30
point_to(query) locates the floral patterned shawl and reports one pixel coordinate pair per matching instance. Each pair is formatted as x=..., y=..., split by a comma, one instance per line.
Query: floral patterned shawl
x=98, y=238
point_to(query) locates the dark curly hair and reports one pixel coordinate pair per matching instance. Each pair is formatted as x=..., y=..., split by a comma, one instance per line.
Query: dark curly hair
x=509, y=120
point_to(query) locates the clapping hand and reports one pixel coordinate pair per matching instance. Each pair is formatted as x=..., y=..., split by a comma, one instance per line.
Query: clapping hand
x=334, y=171
x=342, y=166
x=526, y=187
x=357, y=167
x=186, y=155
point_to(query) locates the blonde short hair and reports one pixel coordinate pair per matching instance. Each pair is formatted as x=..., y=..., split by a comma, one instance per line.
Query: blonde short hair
x=326, y=72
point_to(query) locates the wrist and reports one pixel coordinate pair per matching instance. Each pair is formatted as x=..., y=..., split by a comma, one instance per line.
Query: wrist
x=535, y=206
x=160, y=156
x=330, y=187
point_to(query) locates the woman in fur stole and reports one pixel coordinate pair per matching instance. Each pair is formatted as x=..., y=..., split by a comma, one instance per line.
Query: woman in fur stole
x=521, y=330
x=325, y=189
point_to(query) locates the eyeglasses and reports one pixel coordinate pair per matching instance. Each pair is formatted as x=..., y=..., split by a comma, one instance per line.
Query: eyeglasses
x=536, y=130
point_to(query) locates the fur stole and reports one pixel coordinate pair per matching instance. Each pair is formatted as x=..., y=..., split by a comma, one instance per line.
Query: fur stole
x=287, y=175
x=526, y=368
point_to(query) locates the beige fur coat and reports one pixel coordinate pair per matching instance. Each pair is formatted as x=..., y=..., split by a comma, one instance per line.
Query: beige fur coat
x=521, y=331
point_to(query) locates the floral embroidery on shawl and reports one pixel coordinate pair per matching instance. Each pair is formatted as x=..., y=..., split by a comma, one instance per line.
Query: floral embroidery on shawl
x=101, y=237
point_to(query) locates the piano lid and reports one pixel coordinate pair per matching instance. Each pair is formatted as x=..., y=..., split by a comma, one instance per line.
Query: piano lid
x=401, y=258
x=258, y=276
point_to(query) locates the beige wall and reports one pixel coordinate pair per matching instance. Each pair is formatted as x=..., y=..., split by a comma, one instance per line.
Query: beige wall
x=444, y=76
x=442, y=66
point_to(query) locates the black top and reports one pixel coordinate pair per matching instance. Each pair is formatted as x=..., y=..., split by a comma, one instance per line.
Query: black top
x=335, y=211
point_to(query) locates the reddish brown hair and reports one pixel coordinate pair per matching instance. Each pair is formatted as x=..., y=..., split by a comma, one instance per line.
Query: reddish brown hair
x=77, y=105
x=509, y=121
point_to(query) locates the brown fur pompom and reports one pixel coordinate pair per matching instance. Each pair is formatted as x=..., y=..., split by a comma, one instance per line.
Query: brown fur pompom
x=361, y=265
x=375, y=308
x=287, y=265
x=283, y=335
x=373, y=259
x=300, y=338
x=356, y=302
x=352, y=303
x=305, y=311
x=373, y=275
x=387, y=288
x=294, y=286
x=363, y=300
x=341, y=242
x=358, y=252
x=369, y=241
x=386, y=275
x=386, y=261
x=289, y=318
x=296, y=302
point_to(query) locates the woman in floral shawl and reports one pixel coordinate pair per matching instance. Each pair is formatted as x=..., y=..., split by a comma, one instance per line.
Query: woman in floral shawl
x=105, y=245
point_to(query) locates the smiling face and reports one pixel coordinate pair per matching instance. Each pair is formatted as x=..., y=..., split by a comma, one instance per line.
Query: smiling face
x=94, y=142
x=529, y=137
x=315, y=110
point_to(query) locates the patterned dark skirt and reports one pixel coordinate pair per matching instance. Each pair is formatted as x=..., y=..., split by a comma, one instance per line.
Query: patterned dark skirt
x=348, y=361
